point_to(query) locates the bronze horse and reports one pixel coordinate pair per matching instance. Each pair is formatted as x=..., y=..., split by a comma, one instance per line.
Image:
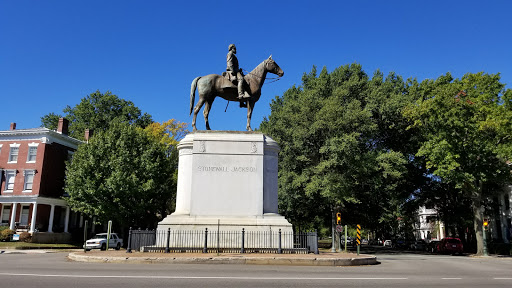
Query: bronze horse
x=213, y=85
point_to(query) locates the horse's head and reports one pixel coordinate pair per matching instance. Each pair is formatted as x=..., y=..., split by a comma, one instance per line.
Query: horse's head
x=272, y=67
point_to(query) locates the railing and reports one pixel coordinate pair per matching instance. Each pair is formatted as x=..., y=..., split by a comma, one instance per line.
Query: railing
x=207, y=241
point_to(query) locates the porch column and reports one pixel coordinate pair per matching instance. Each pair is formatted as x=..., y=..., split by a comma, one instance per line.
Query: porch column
x=66, y=220
x=50, y=222
x=34, y=216
x=13, y=216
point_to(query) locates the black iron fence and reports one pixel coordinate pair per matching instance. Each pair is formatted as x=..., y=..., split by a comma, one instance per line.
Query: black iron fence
x=215, y=241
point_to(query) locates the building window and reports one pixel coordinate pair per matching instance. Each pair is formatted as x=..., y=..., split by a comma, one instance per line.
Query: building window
x=6, y=213
x=13, y=154
x=0, y=149
x=32, y=152
x=29, y=179
x=9, y=180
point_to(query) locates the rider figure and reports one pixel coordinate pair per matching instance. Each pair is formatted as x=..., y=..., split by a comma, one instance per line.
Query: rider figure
x=232, y=67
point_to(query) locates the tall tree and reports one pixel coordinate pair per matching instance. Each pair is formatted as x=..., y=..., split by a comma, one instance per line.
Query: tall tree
x=467, y=125
x=333, y=153
x=96, y=111
x=122, y=174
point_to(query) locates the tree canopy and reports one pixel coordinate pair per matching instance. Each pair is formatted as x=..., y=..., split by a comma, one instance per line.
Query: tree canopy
x=467, y=125
x=96, y=111
x=340, y=148
x=377, y=148
x=122, y=174
x=127, y=171
x=169, y=132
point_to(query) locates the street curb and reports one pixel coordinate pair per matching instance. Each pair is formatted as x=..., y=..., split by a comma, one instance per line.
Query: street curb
x=289, y=261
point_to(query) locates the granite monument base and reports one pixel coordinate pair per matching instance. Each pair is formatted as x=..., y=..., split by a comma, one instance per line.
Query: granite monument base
x=227, y=181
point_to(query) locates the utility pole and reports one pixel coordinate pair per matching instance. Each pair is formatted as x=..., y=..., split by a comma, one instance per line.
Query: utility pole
x=485, y=228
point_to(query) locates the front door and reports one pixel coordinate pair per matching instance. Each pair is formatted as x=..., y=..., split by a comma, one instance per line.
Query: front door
x=24, y=215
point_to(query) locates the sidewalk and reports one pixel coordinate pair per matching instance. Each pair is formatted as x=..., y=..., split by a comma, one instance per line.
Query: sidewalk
x=322, y=259
x=19, y=251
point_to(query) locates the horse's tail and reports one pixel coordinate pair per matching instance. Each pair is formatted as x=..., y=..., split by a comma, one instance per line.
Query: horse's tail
x=193, y=93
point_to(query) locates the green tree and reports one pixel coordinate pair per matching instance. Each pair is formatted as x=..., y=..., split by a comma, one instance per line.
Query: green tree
x=333, y=153
x=122, y=174
x=50, y=120
x=467, y=125
x=96, y=111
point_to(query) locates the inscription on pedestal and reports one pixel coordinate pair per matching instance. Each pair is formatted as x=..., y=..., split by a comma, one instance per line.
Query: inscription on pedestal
x=226, y=169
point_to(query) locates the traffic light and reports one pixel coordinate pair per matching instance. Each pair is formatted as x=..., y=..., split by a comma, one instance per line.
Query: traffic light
x=486, y=224
x=338, y=218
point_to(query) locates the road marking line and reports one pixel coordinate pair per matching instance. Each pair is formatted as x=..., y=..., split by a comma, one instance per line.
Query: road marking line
x=502, y=278
x=197, y=277
x=451, y=278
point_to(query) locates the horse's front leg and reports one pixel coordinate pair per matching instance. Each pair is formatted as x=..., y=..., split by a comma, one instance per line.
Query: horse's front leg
x=250, y=106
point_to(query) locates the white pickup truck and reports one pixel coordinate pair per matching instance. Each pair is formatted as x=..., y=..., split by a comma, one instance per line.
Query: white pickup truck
x=99, y=241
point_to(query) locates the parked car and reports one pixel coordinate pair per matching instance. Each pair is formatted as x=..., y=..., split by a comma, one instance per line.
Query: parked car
x=99, y=241
x=450, y=245
x=387, y=243
x=401, y=244
x=350, y=240
x=418, y=245
x=432, y=246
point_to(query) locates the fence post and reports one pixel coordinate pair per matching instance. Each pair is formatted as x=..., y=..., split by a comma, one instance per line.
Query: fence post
x=270, y=238
x=167, y=250
x=205, y=248
x=218, y=236
x=316, y=239
x=129, y=247
x=279, y=249
x=243, y=241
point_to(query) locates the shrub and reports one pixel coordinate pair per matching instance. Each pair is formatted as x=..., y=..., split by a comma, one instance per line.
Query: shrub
x=25, y=237
x=6, y=234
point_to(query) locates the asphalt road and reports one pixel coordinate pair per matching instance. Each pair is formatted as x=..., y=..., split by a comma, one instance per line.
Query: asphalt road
x=394, y=270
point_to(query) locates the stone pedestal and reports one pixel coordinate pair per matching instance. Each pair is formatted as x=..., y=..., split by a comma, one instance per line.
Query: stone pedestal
x=227, y=181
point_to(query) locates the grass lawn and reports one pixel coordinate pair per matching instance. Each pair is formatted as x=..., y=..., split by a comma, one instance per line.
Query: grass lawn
x=25, y=245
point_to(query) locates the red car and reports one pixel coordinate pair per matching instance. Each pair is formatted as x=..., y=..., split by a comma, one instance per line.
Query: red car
x=450, y=245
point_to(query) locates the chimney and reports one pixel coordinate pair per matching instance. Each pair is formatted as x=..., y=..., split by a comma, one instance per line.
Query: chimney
x=13, y=126
x=63, y=126
x=88, y=134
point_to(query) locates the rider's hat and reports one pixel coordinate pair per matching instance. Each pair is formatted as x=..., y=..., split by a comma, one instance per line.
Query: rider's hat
x=231, y=46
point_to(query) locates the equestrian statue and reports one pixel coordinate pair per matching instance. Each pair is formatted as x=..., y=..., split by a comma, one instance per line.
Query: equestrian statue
x=232, y=85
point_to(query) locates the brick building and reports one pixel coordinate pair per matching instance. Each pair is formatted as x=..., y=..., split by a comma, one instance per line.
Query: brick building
x=32, y=172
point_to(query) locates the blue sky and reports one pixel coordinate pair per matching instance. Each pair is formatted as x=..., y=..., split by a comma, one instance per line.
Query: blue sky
x=53, y=53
